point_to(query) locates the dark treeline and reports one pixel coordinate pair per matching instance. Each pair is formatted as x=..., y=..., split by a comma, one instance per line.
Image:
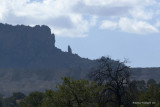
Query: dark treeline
x=110, y=85
x=82, y=93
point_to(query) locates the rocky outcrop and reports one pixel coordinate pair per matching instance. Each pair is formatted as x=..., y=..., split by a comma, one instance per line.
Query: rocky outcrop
x=33, y=47
x=30, y=61
x=69, y=49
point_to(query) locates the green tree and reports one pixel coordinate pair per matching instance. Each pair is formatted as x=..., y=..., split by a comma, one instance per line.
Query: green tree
x=13, y=100
x=151, y=95
x=34, y=99
x=73, y=93
x=151, y=81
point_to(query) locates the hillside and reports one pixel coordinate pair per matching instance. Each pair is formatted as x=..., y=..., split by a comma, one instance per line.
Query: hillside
x=33, y=47
x=30, y=61
x=146, y=73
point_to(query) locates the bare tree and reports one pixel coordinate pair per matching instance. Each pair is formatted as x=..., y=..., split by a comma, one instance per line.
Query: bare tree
x=115, y=75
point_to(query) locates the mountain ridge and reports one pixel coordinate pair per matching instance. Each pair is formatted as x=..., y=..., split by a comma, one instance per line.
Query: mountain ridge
x=30, y=61
x=32, y=47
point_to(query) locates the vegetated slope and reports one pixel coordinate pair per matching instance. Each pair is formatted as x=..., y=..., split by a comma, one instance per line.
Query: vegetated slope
x=146, y=73
x=30, y=61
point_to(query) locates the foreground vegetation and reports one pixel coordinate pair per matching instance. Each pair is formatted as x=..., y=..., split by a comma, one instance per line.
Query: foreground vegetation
x=109, y=85
x=82, y=93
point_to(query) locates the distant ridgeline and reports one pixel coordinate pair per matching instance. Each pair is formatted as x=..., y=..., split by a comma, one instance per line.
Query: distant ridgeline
x=29, y=60
x=34, y=47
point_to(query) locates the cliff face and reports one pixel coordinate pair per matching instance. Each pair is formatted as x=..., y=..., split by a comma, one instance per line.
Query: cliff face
x=32, y=47
x=29, y=60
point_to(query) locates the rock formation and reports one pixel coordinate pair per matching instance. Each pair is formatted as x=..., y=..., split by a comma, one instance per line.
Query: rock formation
x=33, y=47
x=69, y=49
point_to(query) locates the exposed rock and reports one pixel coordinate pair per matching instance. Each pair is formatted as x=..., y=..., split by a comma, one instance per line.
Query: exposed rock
x=33, y=47
x=69, y=49
x=29, y=60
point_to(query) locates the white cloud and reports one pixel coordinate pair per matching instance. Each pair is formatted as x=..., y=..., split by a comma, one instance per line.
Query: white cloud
x=130, y=25
x=101, y=11
x=108, y=25
x=134, y=26
x=80, y=29
x=3, y=9
x=140, y=13
x=72, y=17
x=54, y=13
x=119, y=2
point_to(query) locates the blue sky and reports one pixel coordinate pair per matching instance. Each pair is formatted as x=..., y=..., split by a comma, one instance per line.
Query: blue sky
x=121, y=29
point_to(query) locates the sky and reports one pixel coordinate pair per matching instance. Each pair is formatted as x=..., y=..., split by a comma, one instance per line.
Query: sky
x=120, y=29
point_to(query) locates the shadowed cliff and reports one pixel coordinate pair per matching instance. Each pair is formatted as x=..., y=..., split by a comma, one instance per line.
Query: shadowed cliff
x=30, y=61
x=33, y=47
